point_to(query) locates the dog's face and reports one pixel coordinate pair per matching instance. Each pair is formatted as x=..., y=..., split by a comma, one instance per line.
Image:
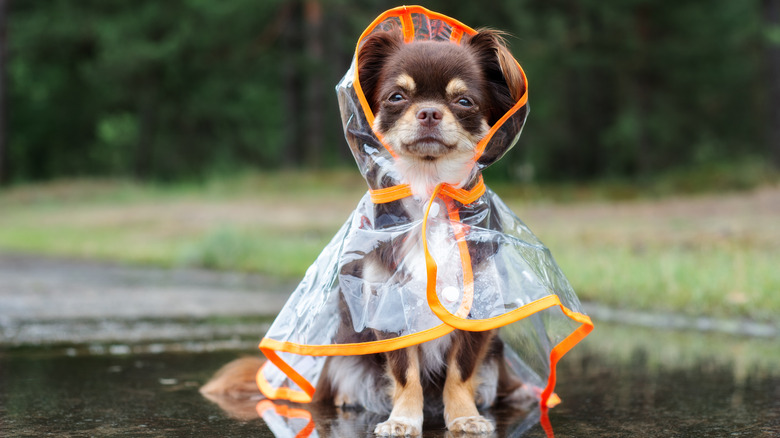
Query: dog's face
x=430, y=101
x=434, y=101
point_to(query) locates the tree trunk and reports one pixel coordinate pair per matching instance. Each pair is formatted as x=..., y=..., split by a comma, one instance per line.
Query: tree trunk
x=315, y=98
x=340, y=57
x=291, y=85
x=771, y=9
x=4, y=168
x=143, y=160
x=577, y=157
x=642, y=90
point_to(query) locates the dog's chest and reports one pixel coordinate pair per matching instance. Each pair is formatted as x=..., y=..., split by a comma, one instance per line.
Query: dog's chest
x=433, y=355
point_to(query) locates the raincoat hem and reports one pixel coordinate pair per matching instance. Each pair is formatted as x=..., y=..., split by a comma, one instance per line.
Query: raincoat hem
x=269, y=347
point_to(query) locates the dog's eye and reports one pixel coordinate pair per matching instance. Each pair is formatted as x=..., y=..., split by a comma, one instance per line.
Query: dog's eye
x=465, y=102
x=396, y=97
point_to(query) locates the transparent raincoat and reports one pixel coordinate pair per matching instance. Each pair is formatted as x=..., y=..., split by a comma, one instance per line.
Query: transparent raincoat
x=436, y=287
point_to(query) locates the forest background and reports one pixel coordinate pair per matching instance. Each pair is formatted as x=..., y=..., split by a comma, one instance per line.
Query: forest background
x=181, y=89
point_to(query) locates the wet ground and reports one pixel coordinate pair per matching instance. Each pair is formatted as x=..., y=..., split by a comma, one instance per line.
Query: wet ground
x=651, y=389
x=622, y=381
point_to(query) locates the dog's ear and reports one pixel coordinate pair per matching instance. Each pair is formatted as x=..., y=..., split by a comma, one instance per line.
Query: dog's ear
x=501, y=71
x=372, y=56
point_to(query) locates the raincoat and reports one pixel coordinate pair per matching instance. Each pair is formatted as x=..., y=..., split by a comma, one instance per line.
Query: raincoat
x=436, y=288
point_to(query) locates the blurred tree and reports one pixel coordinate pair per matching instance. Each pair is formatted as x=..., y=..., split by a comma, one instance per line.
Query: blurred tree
x=3, y=94
x=184, y=88
x=315, y=99
x=292, y=82
x=771, y=10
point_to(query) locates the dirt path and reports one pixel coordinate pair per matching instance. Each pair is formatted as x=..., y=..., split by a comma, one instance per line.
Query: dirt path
x=750, y=217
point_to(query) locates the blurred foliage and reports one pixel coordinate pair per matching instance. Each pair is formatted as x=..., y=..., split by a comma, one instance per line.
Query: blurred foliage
x=187, y=88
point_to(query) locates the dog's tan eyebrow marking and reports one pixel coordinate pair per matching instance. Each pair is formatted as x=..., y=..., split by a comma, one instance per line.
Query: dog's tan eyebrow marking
x=456, y=86
x=406, y=82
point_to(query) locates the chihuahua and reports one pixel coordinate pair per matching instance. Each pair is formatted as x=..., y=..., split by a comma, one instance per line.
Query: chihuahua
x=433, y=102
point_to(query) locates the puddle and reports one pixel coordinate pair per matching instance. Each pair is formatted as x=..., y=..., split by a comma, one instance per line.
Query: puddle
x=631, y=382
x=620, y=382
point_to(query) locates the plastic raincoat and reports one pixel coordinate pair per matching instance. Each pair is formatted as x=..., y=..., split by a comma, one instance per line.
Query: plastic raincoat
x=435, y=289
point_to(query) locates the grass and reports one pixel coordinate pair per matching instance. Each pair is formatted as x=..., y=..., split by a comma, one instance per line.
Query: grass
x=700, y=254
x=251, y=222
x=710, y=254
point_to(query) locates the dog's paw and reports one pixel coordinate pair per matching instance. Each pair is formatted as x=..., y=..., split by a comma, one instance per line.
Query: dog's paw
x=476, y=424
x=399, y=426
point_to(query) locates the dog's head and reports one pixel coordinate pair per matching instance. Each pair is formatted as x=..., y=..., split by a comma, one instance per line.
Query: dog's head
x=434, y=101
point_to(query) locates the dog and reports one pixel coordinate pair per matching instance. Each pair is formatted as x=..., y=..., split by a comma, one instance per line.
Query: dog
x=433, y=102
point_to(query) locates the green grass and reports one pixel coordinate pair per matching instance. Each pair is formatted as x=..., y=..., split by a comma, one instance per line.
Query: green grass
x=250, y=222
x=716, y=177
x=738, y=283
x=281, y=254
x=703, y=254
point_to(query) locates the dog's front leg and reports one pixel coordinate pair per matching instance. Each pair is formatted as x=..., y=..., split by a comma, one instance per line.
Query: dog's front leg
x=466, y=355
x=406, y=417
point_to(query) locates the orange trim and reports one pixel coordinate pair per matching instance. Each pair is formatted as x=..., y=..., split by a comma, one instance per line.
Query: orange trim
x=456, y=35
x=363, y=101
x=382, y=141
x=563, y=347
x=264, y=406
x=400, y=191
x=408, y=26
x=380, y=346
x=465, y=196
x=284, y=393
x=436, y=16
x=545, y=423
x=283, y=410
x=269, y=347
x=390, y=194
x=465, y=261
x=496, y=126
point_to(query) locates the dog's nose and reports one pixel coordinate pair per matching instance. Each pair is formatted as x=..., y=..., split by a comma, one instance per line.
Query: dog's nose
x=429, y=117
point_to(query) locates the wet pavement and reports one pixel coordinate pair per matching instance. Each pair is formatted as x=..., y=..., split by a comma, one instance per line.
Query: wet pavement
x=642, y=391
x=45, y=301
x=622, y=381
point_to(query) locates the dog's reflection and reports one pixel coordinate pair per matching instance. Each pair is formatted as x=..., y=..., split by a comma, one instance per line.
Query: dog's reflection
x=325, y=421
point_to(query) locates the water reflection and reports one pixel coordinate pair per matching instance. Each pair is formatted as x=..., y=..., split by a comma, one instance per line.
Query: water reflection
x=323, y=421
x=619, y=382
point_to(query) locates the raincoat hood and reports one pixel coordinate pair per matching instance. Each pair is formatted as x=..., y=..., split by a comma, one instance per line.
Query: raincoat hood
x=417, y=24
x=460, y=260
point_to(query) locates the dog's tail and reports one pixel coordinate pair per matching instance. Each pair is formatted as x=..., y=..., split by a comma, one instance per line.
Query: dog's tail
x=235, y=379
